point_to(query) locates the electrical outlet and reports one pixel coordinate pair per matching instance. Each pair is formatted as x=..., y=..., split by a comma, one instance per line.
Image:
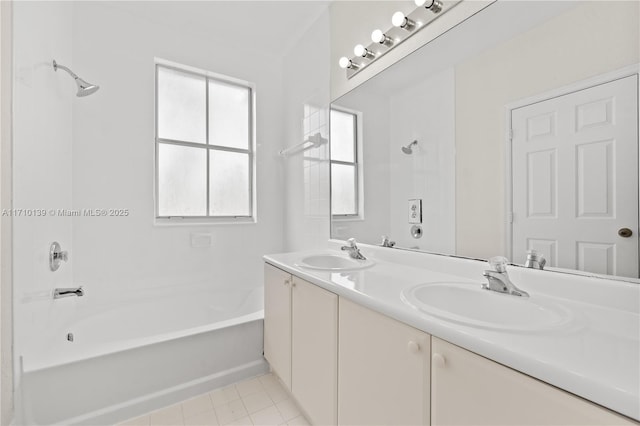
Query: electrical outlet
x=415, y=210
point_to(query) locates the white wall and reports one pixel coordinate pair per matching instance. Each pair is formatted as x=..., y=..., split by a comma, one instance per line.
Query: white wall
x=563, y=50
x=6, y=287
x=306, y=106
x=42, y=163
x=426, y=113
x=113, y=148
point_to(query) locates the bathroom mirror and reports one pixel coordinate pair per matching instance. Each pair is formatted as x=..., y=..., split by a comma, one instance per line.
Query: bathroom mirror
x=515, y=130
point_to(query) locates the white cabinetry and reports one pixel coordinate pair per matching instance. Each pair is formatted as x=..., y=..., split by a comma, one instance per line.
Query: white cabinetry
x=314, y=360
x=301, y=341
x=277, y=322
x=469, y=389
x=384, y=369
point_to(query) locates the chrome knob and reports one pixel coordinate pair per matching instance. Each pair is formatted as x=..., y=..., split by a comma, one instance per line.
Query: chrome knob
x=57, y=256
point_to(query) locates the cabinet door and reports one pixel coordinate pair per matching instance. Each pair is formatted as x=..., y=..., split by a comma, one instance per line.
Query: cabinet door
x=469, y=389
x=277, y=321
x=383, y=368
x=314, y=364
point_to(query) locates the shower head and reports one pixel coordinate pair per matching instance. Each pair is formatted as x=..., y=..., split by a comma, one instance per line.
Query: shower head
x=407, y=149
x=84, y=88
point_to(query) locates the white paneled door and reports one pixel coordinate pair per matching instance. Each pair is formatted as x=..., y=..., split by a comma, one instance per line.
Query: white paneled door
x=575, y=179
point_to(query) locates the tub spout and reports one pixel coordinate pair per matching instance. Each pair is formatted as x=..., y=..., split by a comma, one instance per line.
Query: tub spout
x=66, y=292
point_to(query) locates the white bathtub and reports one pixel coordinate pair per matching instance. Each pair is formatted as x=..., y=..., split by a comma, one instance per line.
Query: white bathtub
x=127, y=358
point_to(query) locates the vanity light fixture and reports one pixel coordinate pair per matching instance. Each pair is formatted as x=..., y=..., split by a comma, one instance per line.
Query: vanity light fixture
x=377, y=36
x=401, y=21
x=404, y=26
x=433, y=5
x=363, y=52
x=346, y=63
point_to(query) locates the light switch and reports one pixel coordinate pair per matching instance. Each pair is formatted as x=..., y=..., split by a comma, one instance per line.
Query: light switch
x=415, y=210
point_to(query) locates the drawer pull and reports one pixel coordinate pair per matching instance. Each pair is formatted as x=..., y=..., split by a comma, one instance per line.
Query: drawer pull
x=413, y=347
x=438, y=360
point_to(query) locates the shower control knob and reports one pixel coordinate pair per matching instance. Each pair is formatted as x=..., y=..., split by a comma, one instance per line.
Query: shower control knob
x=57, y=256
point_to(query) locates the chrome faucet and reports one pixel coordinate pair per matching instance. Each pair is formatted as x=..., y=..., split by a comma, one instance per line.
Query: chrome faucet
x=352, y=248
x=59, y=293
x=498, y=279
x=535, y=260
x=386, y=242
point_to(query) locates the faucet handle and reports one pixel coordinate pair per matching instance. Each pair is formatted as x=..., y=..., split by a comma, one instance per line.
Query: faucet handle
x=498, y=264
x=352, y=243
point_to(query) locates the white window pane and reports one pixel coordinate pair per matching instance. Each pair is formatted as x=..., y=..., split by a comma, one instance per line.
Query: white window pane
x=343, y=189
x=181, y=106
x=229, y=184
x=182, y=180
x=228, y=115
x=342, y=136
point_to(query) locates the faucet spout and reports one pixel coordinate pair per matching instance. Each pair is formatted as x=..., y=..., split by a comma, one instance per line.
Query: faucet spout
x=354, y=251
x=59, y=293
x=498, y=279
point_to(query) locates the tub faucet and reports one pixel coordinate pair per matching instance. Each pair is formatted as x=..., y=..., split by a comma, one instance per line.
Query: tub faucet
x=498, y=279
x=66, y=292
x=353, y=249
x=535, y=260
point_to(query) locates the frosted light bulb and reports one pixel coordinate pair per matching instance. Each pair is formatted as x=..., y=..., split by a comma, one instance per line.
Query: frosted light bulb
x=399, y=20
x=360, y=50
x=420, y=2
x=377, y=36
x=344, y=62
x=434, y=5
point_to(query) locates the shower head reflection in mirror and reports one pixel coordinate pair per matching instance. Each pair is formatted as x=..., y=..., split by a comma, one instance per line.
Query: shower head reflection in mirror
x=407, y=149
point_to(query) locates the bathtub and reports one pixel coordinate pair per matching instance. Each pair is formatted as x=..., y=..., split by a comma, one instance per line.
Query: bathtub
x=161, y=346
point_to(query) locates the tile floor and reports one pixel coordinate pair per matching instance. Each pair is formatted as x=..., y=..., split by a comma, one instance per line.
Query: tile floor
x=258, y=401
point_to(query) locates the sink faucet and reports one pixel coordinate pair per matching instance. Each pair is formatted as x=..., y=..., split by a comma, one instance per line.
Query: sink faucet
x=498, y=279
x=386, y=242
x=353, y=249
x=535, y=260
x=66, y=292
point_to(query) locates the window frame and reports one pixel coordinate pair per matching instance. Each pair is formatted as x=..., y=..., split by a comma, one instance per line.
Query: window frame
x=208, y=148
x=357, y=163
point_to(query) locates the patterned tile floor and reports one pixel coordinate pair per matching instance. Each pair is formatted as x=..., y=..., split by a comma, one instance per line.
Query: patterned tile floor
x=258, y=401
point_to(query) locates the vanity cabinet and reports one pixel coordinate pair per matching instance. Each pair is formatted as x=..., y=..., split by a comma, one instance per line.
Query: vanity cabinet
x=384, y=369
x=301, y=341
x=469, y=389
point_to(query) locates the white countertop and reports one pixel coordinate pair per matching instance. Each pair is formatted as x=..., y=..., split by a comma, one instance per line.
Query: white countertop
x=596, y=356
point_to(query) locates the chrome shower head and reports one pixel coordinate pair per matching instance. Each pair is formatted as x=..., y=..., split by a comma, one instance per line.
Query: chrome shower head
x=84, y=88
x=407, y=149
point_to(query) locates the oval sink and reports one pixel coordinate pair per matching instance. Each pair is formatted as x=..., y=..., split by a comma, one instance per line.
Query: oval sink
x=333, y=262
x=468, y=304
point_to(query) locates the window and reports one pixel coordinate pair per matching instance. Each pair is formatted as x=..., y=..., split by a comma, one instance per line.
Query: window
x=345, y=182
x=204, y=145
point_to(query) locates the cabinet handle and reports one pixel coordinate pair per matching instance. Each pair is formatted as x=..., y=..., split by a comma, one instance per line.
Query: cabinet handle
x=286, y=282
x=413, y=347
x=438, y=359
x=293, y=283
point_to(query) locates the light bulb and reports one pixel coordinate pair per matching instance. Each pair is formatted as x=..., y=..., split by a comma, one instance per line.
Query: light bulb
x=344, y=62
x=434, y=5
x=377, y=36
x=401, y=21
x=363, y=52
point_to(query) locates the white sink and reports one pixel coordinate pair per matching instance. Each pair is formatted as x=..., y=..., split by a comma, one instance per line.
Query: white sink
x=468, y=304
x=333, y=262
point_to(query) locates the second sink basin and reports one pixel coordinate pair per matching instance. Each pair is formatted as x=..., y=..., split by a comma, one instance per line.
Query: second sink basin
x=468, y=304
x=333, y=262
